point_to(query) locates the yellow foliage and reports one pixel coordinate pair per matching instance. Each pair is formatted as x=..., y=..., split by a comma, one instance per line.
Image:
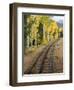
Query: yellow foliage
x=49, y=27
x=45, y=42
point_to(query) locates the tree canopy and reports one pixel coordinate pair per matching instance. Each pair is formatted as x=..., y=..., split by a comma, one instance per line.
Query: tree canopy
x=40, y=29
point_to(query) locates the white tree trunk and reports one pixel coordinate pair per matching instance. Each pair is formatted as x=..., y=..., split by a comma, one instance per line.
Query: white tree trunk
x=35, y=39
x=43, y=34
x=31, y=41
x=48, y=36
x=27, y=41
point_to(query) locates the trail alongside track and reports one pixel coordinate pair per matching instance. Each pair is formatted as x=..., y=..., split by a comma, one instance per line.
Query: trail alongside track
x=49, y=60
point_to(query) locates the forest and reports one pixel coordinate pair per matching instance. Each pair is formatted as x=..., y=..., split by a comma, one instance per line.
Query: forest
x=40, y=30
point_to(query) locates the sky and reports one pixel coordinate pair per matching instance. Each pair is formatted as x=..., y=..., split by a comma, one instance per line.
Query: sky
x=58, y=18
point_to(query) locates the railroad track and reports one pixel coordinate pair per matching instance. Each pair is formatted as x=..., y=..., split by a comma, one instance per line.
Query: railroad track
x=42, y=63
